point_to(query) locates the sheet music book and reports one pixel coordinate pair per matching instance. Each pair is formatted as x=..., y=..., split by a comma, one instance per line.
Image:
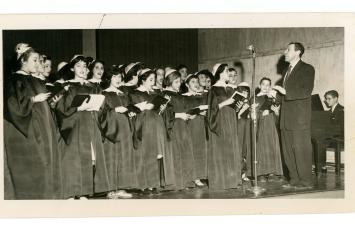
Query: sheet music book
x=54, y=89
x=238, y=96
x=158, y=100
x=94, y=101
x=133, y=109
x=197, y=110
x=267, y=104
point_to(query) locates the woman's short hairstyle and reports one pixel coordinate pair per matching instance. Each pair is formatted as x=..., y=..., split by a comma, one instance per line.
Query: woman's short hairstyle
x=168, y=80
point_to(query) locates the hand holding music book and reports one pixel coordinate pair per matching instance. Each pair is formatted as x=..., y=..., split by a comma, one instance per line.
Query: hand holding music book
x=132, y=109
x=197, y=110
x=93, y=101
x=238, y=96
x=54, y=89
x=158, y=101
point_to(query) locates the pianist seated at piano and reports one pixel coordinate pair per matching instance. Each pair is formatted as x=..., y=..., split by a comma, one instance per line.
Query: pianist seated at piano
x=335, y=109
x=327, y=125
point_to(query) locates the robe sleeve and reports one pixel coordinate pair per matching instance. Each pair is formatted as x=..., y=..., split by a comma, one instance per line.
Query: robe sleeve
x=212, y=113
x=169, y=119
x=19, y=106
x=108, y=123
x=66, y=115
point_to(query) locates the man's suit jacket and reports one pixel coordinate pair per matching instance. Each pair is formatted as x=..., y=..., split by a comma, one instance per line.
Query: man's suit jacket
x=296, y=104
x=338, y=114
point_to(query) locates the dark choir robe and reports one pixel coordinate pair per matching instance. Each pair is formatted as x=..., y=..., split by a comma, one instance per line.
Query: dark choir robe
x=181, y=141
x=150, y=140
x=127, y=89
x=118, y=145
x=31, y=142
x=225, y=156
x=96, y=85
x=245, y=140
x=198, y=131
x=80, y=131
x=267, y=142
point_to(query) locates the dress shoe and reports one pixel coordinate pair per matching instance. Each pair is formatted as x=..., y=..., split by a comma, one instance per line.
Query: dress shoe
x=303, y=187
x=123, y=194
x=287, y=186
x=199, y=183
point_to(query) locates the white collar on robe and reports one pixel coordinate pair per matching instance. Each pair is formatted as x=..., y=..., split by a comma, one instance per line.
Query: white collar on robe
x=84, y=81
x=113, y=89
x=22, y=72
x=143, y=89
x=220, y=84
x=94, y=80
x=157, y=88
x=192, y=94
x=170, y=90
x=231, y=85
x=261, y=94
x=41, y=77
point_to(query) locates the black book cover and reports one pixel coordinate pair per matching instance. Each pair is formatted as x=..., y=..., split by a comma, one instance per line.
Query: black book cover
x=158, y=100
x=79, y=99
x=132, y=109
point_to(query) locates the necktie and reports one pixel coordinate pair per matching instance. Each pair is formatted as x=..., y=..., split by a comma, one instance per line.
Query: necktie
x=287, y=74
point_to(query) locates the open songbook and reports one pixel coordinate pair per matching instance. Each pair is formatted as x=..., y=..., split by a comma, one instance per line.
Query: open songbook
x=55, y=89
x=158, y=101
x=94, y=101
x=238, y=96
x=132, y=109
x=197, y=110
x=274, y=99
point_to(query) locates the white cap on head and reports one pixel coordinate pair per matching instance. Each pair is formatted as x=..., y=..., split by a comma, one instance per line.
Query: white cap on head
x=169, y=71
x=144, y=71
x=21, y=48
x=215, y=67
x=75, y=56
x=243, y=84
x=61, y=65
x=130, y=66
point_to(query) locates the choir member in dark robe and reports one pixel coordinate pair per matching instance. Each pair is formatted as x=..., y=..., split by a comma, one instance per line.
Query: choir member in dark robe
x=160, y=73
x=267, y=142
x=96, y=73
x=197, y=127
x=30, y=134
x=80, y=130
x=225, y=161
x=130, y=77
x=117, y=126
x=244, y=131
x=40, y=69
x=179, y=132
x=204, y=79
x=153, y=153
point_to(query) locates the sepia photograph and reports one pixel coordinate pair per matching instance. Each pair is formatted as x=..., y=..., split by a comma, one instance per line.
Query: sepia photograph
x=175, y=113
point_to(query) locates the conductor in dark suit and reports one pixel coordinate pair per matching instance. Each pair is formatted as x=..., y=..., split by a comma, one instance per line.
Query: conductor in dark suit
x=295, y=118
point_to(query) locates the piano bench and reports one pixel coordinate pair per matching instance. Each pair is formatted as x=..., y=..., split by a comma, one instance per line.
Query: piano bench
x=339, y=146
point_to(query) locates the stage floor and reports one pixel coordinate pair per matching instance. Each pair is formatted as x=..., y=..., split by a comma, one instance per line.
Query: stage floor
x=328, y=186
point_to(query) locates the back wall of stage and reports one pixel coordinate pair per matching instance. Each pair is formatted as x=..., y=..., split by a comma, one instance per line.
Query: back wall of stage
x=324, y=50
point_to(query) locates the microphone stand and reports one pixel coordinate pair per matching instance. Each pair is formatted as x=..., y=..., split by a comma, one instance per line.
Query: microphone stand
x=257, y=190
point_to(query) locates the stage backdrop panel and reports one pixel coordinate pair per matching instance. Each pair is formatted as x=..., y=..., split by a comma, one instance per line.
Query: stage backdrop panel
x=324, y=50
x=154, y=47
x=60, y=45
